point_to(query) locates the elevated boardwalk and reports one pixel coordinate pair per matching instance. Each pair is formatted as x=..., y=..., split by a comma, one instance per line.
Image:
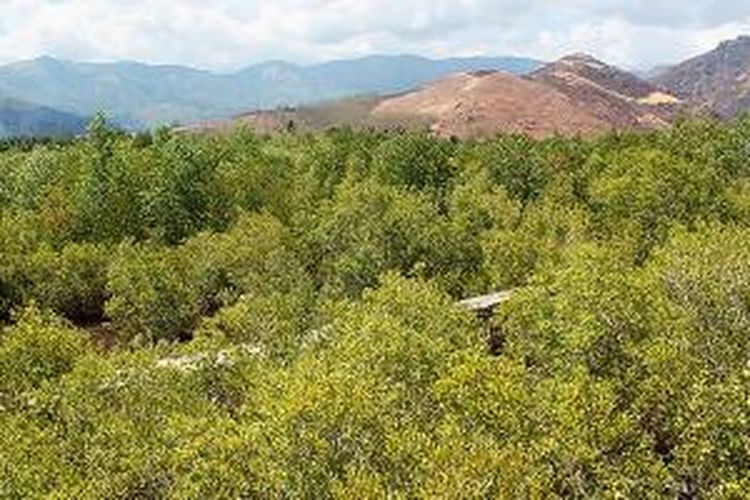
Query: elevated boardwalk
x=486, y=303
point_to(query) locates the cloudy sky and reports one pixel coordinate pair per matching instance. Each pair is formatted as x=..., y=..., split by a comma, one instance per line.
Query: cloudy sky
x=228, y=34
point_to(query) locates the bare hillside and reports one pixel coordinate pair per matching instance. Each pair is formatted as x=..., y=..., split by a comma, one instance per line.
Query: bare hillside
x=615, y=96
x=718, y=80
x=577, y=95
x=485, y=103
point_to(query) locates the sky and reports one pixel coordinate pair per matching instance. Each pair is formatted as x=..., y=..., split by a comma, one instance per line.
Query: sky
x=229, y=34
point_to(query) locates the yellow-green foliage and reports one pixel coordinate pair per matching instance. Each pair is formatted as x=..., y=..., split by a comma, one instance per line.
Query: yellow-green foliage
x=249, y=317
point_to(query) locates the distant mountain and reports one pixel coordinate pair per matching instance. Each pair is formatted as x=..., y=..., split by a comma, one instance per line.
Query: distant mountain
x=577, y=95
x=718, y=80
x=21, y=119
x=138, y=94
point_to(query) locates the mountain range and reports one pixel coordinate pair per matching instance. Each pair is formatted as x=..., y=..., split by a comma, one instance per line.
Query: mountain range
x=576, y=95
x=460, y=96
x=138, y=95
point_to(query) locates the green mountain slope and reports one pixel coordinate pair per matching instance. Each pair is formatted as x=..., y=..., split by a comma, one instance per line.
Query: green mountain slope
x=20, y=119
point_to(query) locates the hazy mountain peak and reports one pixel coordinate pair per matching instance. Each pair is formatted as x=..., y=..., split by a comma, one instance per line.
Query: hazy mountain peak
x=42, y=62
x=46, y=59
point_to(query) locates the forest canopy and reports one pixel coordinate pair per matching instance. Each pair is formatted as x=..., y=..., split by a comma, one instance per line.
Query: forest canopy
x=275, y=316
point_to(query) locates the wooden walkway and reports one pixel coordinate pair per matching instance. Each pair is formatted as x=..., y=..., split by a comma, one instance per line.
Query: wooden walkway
x=486, y=302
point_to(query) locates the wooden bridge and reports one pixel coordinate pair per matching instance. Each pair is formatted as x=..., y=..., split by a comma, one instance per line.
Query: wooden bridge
x=486, y=303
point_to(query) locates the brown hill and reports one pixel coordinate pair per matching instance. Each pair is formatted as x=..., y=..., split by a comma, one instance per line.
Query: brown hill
x=614, y=96
x=718, y=80
x=576, y=95
x=485, y=103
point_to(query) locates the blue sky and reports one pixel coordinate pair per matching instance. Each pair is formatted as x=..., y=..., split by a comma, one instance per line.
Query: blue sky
x=227, y=34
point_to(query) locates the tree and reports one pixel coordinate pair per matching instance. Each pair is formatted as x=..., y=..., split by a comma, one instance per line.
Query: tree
x=417, y=162
x=643, y=193
x=185, y=196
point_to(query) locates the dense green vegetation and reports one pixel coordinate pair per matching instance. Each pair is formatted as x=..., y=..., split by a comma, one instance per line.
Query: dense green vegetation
x=242, y=316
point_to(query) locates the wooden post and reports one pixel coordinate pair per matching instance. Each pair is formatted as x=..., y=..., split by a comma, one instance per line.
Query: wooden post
x=485, y=307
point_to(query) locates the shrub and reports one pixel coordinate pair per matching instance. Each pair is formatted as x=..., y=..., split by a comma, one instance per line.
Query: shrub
x=152, y=294
x=37, y=349
x=73, y=282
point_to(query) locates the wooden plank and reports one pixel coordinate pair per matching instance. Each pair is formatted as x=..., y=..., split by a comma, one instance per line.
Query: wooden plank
x=486, y=302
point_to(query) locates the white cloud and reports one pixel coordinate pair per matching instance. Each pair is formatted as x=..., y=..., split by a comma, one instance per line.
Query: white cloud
x=233, y=33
